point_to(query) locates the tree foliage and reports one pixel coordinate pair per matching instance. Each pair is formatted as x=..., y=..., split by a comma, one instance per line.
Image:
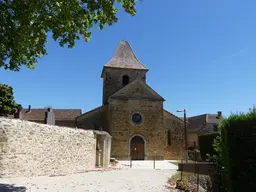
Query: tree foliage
x=7, y=104
x=24, y=25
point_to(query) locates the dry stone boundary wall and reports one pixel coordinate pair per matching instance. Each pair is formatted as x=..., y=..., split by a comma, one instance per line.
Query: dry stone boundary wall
x=32, y=149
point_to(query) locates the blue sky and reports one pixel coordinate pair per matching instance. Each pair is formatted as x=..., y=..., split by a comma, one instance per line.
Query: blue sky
x=200, y=55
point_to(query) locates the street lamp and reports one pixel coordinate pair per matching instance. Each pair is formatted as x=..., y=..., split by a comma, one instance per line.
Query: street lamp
x=185, y=133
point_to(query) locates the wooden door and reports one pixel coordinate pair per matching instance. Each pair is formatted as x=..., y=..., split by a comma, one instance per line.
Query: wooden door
x=137, y=148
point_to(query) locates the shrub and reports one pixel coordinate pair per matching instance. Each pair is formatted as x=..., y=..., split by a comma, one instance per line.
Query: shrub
x=206, y=145
x=236, y=149
x=194, y=155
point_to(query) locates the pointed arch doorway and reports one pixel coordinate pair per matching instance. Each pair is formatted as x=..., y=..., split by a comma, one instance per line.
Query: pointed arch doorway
x=137, y=147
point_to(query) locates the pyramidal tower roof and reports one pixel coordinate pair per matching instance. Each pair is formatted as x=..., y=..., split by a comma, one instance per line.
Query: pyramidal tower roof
x=124, y=57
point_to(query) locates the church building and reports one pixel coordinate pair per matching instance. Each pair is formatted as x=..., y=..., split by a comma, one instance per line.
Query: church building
x=133, y=113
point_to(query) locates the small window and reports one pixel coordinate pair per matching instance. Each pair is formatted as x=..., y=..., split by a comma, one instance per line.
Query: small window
x=169, y=137
x=125, y=80
x=136, y=119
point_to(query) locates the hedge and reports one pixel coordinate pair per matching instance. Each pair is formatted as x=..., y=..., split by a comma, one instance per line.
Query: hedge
x=236, y=148
x=206, y=145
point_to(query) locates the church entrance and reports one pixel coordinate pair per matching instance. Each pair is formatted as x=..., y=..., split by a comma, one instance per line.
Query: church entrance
x=137, y=148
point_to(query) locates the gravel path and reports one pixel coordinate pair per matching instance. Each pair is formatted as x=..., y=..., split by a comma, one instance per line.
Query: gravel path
x=112, y=180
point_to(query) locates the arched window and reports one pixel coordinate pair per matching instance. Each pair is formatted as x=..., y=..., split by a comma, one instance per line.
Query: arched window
x=169, y=137
x=125, y=80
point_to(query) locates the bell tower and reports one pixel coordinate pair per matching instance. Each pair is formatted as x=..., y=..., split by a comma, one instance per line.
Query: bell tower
x=122, y=69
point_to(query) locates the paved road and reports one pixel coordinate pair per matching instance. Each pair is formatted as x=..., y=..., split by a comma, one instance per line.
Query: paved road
x=121, y=180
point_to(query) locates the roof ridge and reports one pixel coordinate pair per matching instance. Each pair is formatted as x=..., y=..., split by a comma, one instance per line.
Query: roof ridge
x=135, y=54
x=134, y=82
x=92, y=110
x=150, y=88
x=39, y=113
x=173, y=115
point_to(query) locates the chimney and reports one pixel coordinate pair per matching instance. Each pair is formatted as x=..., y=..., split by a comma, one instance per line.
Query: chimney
x=49, y=117
x=29, y=109
x=219, y=115
x=17, y=114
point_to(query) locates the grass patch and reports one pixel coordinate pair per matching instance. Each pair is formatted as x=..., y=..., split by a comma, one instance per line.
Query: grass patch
x=174, y=163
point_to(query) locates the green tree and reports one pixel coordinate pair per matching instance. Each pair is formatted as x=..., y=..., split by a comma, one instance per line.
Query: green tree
x=24, y=25
x=7, y=103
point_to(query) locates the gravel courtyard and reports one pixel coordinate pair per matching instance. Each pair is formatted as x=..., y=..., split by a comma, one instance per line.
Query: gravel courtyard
x=142, y=177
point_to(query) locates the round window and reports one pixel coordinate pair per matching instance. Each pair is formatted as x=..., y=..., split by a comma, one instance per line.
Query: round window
x=136, y=118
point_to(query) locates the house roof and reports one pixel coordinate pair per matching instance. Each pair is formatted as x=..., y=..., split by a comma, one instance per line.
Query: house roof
x=198, y=122
x=124, y=57
x=178, y=118
x=93, y=119
x=137, y=90
x=60, y=114
x=92, y=112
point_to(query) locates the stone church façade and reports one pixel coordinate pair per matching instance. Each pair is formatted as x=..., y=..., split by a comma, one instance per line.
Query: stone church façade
x=132, y=112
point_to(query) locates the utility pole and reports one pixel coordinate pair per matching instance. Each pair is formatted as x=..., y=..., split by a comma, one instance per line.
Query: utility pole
x=185, y=134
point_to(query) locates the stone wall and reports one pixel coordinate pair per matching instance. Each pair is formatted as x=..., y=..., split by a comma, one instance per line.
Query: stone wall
x=192, y=137
x=32, y=149
x=112, y=80
x=176, y=125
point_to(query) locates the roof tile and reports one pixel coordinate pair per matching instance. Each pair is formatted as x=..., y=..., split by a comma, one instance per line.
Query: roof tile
x=125, y=58
x=60, y=114
x=137, y=90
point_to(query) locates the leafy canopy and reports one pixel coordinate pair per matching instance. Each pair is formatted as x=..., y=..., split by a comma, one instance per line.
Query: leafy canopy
x=24, y=25
x=7, y=104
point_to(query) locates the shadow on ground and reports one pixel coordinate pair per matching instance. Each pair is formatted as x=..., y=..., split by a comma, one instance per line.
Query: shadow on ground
x=11, y=188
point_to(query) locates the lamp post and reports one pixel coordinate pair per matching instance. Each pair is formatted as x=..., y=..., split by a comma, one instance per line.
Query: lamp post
x=185, y=134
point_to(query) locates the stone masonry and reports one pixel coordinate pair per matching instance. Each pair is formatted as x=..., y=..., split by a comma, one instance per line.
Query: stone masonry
x=159, y=134
x=33, y=149
x=112, y=80
x=176, y=126
x=152, y=129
